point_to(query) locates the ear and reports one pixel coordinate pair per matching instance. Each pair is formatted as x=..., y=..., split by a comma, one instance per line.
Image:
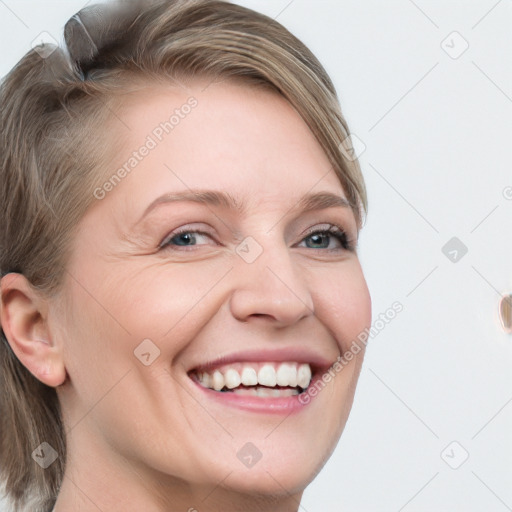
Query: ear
x=23, y=315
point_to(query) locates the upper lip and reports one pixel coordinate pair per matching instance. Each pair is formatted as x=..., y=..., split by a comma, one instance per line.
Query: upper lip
x=291, y=354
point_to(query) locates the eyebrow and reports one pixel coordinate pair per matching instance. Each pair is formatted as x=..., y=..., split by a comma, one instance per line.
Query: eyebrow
x=309, y=202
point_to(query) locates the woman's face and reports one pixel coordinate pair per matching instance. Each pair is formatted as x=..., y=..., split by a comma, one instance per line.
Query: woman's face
x=161, y=292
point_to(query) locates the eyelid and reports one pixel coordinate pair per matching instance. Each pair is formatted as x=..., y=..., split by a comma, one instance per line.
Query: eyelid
x=323, y=226
x=333, y=227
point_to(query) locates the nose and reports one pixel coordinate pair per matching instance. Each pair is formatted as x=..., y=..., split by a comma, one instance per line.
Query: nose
x=270, y=288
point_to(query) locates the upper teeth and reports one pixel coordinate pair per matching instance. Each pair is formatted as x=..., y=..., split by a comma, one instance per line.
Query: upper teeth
x=252, y=374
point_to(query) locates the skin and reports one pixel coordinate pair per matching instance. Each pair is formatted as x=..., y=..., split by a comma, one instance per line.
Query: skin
x=144, y=437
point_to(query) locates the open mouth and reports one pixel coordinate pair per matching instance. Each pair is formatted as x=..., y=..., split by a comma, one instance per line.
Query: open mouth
x=257, y=379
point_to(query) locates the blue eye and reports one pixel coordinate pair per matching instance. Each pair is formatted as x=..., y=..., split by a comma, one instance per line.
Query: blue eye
x=323, y=237
x=183, y=238
x=320, y=239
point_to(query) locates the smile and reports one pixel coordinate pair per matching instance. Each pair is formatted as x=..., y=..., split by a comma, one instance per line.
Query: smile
x=265, y=379
x=261, y=381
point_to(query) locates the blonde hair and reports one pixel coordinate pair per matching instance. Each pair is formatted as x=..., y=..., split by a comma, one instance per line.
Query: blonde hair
x=56, y=105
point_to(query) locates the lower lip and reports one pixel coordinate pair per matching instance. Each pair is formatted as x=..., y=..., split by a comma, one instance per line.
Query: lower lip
x=267, y=405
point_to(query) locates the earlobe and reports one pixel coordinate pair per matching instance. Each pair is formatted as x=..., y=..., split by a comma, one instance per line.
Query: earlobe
x=23, y=315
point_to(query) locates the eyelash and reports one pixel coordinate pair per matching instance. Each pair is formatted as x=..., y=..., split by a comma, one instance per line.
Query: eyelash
x=336, y=231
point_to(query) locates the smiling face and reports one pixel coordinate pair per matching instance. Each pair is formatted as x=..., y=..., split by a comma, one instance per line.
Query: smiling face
x=166, y=297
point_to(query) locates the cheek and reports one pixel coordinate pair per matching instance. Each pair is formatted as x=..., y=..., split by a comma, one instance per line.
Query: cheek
x=172, y=302
x=167, y=303
x=343, y=303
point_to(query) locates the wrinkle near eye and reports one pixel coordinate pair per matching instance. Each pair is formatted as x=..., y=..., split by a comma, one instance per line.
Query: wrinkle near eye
x=137, y=243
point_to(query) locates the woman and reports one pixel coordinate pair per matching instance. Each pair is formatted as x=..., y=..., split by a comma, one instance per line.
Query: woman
x=181, y=290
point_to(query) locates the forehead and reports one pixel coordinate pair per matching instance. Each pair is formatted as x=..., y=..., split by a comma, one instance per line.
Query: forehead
x=247, y=141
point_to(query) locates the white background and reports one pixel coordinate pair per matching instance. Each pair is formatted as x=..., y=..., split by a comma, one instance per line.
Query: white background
x=437, y=163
